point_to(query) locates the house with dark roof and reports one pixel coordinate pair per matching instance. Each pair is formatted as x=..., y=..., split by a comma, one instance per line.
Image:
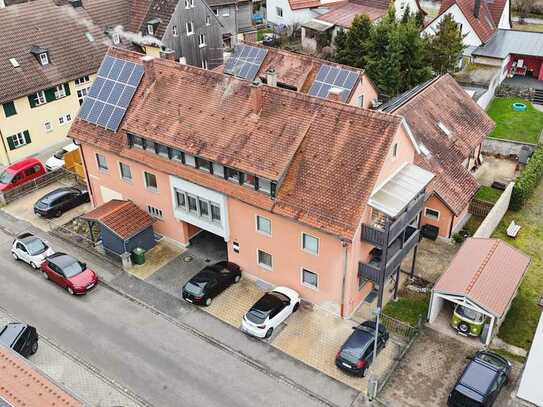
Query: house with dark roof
x=236, y=17
x=305, y=192
x=449, y=128
x=478, y=19
x=44, y=73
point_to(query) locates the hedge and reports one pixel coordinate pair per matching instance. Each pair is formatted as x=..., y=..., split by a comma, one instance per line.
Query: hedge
x=528, y=180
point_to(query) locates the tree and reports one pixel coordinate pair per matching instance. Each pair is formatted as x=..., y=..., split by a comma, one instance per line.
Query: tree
x=413, y=64
x=406, y=15
x=351, y=47
x=444, y=49
x=419, y=19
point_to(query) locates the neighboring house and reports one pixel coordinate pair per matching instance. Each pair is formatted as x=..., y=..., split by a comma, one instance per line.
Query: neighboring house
x=303, y=73
x=478, y=19
x=45, y=72
x=235, y=17
x=292, y=13
x=323, y=29
x=450, y=128
x=306, y=192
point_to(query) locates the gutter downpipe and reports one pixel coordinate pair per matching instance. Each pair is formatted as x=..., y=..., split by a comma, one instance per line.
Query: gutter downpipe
x=4, y=146
x=345, y=245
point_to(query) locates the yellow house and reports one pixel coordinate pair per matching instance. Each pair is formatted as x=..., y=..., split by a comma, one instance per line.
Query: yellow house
x=48, y=60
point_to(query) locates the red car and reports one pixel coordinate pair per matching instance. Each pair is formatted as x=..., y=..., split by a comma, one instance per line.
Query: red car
x=20, y=172
x=70, y=273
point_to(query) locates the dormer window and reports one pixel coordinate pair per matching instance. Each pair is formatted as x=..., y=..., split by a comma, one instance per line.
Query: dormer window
x=44, y=59
x=116, y=38
x=152, y=26
x=41, y=54
x=190, y=28
x=150, y=29
x=444, y=129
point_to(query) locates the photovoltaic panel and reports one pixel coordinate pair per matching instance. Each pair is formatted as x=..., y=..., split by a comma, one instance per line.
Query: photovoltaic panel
x=245, y=62
x=111, y=93
x=330, y=77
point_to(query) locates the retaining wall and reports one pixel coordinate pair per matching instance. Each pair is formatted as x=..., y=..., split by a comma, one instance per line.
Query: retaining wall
x=506, y=148
x=494, y=217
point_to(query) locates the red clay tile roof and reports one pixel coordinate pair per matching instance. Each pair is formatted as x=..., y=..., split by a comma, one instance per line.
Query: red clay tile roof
x=138, y=12
x=161, y=9
x=124, y=218
x=108, y=13
x=301, y=4
x=71, y=54
x=326, y=155
x=484, y=26
x=487, y=272
x=344, y=15
x=21, y=385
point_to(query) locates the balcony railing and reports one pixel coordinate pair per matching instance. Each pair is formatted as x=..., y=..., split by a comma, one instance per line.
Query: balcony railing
x=377, y=236
x=372, y=270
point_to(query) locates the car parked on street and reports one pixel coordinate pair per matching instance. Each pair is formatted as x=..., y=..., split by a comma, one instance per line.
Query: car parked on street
x=20, y=173
x=56, y=161
x=22, y=338
x=56, y=202
x=483, y=378
x=69, y=273
x=270, y=311
x=30, y=249
x=210, y=282
x=356, y=354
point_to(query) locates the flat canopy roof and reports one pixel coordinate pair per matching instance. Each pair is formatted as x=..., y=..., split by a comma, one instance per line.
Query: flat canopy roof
x=530, y=388
x=506, y=42
x=402, y=188
x=317, y=25
x=485, y=271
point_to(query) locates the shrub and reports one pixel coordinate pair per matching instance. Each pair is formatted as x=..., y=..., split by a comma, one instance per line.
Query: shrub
x=528, y=180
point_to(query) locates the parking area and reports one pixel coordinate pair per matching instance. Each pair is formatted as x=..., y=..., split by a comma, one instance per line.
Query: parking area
x=433, y=258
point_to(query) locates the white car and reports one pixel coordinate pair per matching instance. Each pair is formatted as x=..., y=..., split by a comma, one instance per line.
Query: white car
x=57, y=160
x=270, y=311
x=30, y=249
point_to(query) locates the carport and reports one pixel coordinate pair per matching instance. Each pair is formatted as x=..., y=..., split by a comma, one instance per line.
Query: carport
x=484, y=276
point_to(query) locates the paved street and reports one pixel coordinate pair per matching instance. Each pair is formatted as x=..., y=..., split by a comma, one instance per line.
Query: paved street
x=164, y=363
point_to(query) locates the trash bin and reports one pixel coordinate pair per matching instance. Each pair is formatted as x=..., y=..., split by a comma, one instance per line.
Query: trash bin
x=138, y=255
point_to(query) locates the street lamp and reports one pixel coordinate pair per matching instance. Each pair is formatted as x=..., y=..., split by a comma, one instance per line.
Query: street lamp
x=373, y=379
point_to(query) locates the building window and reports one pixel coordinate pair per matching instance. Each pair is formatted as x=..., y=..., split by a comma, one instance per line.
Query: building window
x=264, y=185
x=310, y=244
x=82, y=80
x=190, y=28
x=248, y=180
x=190, y=160
x=193, y=203
x=189, y=3
x=154, y=212
x=360, y=101
x=150, y=181
x=218, y=170
x=174, y=31
x=395, y=150
x=208, y=20
x=48, y=127
x=198, y=206
x=126, y=174
x=60, y=92
x=176, y=155
x=39, y=98
x=137, y=141
x=232, y=175
x=310, y=279
x=102, y=162
x=431, y=213
x=201, y=40
x=181, y=199
x=226, y=11
x=264, y=259
x=65, y=118
x=18, y=140
x=116, y=38
x=150, y=29
x=279, y=11
x=44, y=59
x=81, y=93
x=203, y=165
x=215, y=213
x=149, y=146
x=203, y=206
x=9, y=109
x=161, y=150
x=215, y=11
x=263, y=225
x=204, y=63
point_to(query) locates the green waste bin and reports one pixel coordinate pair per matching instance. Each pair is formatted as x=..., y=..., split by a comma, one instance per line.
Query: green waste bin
x=138, y=255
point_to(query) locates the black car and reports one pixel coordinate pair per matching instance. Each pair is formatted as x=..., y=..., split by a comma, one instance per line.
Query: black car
x=481, y=381
x=22, y=338
x=356, y=354
x=55, y=203
x=210, y=282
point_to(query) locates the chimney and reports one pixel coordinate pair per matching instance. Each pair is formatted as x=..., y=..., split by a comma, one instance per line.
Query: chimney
x=76, y=3
x=255, y=97
x=183, y=60
x=335, y=94
x=225, y=55
x=168, y=54
x=476, y=8
x=271, y=77
x=148, y=68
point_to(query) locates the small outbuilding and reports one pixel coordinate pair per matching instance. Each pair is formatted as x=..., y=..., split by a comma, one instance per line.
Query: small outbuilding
x=123, y=226
x=484, y=276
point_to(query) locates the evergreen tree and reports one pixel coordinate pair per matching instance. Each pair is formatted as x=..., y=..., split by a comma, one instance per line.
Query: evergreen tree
x=412, y=60
x=419, y=19
x=351, y=47
x=444, y=49
x=406, y=15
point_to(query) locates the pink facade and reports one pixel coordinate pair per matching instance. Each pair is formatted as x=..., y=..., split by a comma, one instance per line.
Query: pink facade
x=366, y=89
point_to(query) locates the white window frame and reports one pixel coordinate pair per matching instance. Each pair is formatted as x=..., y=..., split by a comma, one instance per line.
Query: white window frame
x=226, y=12
x=115, y=38
x=204, y=63
x=360, y=101
x=264, y=266
x=82, y=80
x=44, y=58
x=174, y=31
x=64, y=119
x=150, y=29
x=81, y=93
x=147, y=187
x=100, y=168
x=19, y=139
x=202, y=40
x=155, y=212
x=60, y=91
x=39, y=98
x=279, y=11
x=121, y=176
x=48, y=127
x=191, y=31
x=307, y=250
x=263, y=232
x=431, y=216
x=208, y=20
x=304, y=284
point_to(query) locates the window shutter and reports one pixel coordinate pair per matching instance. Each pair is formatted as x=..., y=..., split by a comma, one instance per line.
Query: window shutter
x=9, y=109
x=67, y=88
x=50, y=94
x=273, y=188
x=11, y=143
x=27, y=137
x=32, y=100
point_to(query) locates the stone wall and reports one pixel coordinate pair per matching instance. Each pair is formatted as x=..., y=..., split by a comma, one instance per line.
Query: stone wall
x=510, y=91
x=494, y=217
x=504, y=148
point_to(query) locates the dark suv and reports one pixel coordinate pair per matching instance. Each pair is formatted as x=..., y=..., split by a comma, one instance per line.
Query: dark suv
x=481, y=381
x=22, y=338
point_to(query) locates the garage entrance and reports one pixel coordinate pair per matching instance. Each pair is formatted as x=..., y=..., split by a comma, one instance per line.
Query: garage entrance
x=207, y=246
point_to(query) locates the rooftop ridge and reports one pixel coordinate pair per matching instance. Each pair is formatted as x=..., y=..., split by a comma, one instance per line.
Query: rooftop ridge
x=483, y=264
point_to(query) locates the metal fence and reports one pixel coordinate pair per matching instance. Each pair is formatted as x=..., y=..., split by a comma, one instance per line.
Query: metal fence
x=400, y=328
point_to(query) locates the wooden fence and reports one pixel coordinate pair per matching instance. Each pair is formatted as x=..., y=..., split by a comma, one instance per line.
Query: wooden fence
x=480, y=208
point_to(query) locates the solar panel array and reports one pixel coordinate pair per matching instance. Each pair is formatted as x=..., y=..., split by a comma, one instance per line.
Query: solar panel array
x=245, y=62
x=111, y=93
x=330, y=77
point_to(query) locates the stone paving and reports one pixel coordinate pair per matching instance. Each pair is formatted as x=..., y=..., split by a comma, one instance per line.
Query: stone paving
x=156, y=258
x=76, y=376
x=433, y=258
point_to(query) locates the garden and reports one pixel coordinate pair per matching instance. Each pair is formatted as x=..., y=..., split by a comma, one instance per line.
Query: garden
x=524, y=127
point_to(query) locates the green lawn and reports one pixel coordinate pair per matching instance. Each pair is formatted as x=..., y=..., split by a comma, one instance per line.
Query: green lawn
x=521, y=321
x=512, y=125
x=488, y=194
x=260, y=33
x=473, y=224
x=408, y=307
x=528, y=27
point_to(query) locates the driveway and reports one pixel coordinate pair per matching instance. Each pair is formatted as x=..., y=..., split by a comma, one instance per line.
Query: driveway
x=433, y=258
